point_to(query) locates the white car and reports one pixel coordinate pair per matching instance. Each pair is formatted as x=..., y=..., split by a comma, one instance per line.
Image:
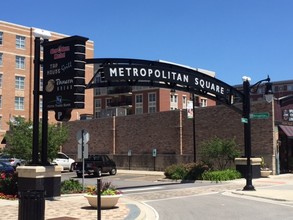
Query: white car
x=63, y=160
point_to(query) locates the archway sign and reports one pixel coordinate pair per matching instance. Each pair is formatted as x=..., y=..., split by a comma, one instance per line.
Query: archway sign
x=135, y=72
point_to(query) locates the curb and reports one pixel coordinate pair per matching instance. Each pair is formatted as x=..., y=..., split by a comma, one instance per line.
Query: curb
x=260, y=196
x=140, y=211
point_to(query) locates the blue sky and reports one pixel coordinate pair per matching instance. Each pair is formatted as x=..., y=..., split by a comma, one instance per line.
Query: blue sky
x=231, y=37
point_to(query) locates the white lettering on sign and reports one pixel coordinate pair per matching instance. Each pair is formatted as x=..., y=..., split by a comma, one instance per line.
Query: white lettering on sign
x=204, y=84
x=63, y=85
x=64, y=82
x=161, y=75
x=143, y=72
x=66, y=66
x=59, y=115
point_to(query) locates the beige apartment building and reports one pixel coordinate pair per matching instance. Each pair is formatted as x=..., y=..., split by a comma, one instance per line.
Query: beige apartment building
x=17, y=75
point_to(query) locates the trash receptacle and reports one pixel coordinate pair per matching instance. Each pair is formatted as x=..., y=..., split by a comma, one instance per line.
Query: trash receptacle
x=31, y=205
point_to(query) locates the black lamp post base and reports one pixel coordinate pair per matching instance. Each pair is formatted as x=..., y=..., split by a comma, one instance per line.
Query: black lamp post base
x=249, y=187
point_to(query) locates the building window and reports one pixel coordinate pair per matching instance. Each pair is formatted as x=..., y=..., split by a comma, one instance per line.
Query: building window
x=19, y=82
x=1, y=79
x=1, y=59
x=100, y=78
x=290, y=87
x=100, y=91
x=138, y=104
x=19, y=103
x=0, y=101
x=203, y=102
x=173, y=102
x=152, y=103
x=108, y=102
x=19, y=62
x=20, y=42
x=1, y=38
x=0, y=122
x=98, y=108
x=97, y=91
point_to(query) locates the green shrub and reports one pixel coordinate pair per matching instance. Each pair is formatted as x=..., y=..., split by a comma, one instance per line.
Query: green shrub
x=71, y=186
x=221, y=175
x=195, y=171
x=189, y=171
x=176, y=171
x=219, y=153
x=8, y=184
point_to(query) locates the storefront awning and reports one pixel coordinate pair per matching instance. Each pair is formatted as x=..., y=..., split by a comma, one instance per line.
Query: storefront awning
x=288, y=130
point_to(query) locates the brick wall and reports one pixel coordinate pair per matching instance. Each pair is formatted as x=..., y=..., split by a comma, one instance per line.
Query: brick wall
x=171, y=134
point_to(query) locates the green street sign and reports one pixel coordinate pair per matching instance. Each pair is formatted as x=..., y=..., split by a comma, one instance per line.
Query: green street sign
x=244, y=120
x=260, y=115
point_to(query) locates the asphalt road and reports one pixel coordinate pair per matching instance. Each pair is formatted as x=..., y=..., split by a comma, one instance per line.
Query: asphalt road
x=136, y=183
x=199, y=200
x=217, y=206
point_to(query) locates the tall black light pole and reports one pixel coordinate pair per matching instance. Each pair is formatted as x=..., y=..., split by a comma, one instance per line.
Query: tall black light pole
x=247, y=89
x=247, y=133
x=45, y=35
x=36, y=107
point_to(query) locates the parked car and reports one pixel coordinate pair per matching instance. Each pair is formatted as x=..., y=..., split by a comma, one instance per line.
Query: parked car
x=5, y=168
x=12, y=161
x=65, y=161
x=96, y=165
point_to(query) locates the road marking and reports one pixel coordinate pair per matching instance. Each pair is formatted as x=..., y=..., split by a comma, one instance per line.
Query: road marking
x=181, y=197
x=142, y=189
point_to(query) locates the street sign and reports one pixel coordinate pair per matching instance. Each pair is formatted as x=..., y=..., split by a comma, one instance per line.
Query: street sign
x=244, y=120
x=85, y=151
x=82, y=135
x=63, y=114
x=260, y=115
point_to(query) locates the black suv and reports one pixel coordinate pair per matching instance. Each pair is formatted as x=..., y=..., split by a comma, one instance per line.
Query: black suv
x=96, y=165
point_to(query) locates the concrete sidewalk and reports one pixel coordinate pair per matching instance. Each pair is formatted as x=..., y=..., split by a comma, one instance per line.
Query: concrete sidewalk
x=279, y=188
x=73, y=207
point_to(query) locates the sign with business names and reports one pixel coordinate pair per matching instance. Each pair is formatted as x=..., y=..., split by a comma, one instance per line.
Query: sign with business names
x=64, y=73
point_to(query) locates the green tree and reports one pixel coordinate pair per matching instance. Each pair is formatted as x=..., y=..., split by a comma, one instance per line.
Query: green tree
x=219, y=153
x=20, y=139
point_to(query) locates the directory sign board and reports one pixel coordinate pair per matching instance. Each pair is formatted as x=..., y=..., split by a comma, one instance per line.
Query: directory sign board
x=64, y=73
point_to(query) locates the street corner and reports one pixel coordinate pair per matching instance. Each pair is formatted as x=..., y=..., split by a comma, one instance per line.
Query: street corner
x=268, y=193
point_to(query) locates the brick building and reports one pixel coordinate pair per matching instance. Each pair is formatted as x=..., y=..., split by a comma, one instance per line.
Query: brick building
x=17, y=75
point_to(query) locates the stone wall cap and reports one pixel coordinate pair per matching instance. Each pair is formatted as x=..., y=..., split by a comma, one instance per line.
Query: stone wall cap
x=243, y=161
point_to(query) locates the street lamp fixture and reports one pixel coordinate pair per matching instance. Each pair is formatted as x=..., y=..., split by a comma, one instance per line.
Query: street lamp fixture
x=247, y=89
x=45, y=36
